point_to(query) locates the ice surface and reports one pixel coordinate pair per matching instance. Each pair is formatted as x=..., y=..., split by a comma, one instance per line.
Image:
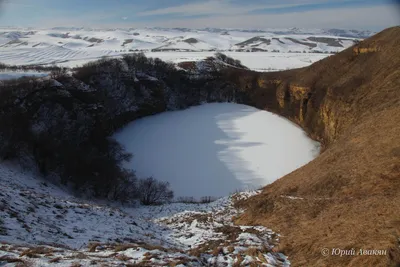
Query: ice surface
x=216, y=149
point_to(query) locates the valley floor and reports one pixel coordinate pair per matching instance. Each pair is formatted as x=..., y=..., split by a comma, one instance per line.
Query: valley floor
x=42, y=225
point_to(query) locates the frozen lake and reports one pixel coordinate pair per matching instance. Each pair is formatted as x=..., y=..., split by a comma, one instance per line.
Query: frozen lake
x=216, y=149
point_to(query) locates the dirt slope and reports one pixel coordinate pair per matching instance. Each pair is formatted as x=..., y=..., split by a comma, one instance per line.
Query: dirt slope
x=349, y=197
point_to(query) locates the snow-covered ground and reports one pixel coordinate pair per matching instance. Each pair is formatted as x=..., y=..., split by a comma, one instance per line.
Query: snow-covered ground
x=73, y=47
x=216, y=149
x=43, y=225
x=258, y=61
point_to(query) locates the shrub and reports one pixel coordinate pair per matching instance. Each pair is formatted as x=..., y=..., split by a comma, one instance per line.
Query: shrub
x=187, y=200
x=153, y=192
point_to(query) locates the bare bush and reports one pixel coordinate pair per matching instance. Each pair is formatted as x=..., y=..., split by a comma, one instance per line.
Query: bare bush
x=153, y=192
x=187, y=200
x=207, y=199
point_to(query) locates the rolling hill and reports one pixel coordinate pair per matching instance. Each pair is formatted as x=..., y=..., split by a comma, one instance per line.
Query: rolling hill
x=47, y=46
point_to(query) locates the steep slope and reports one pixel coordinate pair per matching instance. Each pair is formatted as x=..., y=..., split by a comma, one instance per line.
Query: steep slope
x=349, y=197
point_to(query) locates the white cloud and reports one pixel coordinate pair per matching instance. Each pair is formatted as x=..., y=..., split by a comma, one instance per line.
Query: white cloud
x=225, y=14
x=212, y=7
x=360, y=17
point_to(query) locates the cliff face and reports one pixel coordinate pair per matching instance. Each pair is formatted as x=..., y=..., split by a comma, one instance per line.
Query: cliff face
x=349, y=197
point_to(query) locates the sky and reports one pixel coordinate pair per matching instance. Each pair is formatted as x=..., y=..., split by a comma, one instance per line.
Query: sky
x=254, y=14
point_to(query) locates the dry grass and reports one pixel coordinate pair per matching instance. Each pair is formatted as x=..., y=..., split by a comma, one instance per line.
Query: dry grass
x=210, y=246
x=81, y=256
x=351, y=192
x=10, y=259
x=238, y=261
x=92, y=246
x=123, y=257
x=55, y=260
x=123, y=247
x=141, y=264
x=231, y=232
x=36, y=252
x=217, y=251
x=252, y=251
x=156, y=247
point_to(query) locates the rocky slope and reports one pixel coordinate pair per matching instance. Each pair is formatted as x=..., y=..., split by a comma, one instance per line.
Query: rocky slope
x=349, y=196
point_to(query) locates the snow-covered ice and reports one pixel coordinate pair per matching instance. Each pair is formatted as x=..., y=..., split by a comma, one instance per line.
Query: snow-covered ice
x=216, y=149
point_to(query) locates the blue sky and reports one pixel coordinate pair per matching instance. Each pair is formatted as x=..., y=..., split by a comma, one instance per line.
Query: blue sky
x=358, y=14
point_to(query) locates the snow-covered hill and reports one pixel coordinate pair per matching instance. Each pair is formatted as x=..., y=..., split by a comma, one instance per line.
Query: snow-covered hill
x=43, y=225
x=57, y=45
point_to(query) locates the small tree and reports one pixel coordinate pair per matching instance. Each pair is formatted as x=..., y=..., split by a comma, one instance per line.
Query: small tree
x=153, y=192
x=207, y=199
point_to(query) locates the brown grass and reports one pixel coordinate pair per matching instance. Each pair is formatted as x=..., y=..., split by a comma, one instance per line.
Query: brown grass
x=92, y=246
x=154, y=247
x=141, y=264
x=123, y=257
x=10, y=259
x=123, y=247
x=217, y=251
x=80, y=256
x=210, y=246
x=55, y=260
x=35, y=252
x=238, y=262
x=231, y=232
x=351, y=192
x=252, y=251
